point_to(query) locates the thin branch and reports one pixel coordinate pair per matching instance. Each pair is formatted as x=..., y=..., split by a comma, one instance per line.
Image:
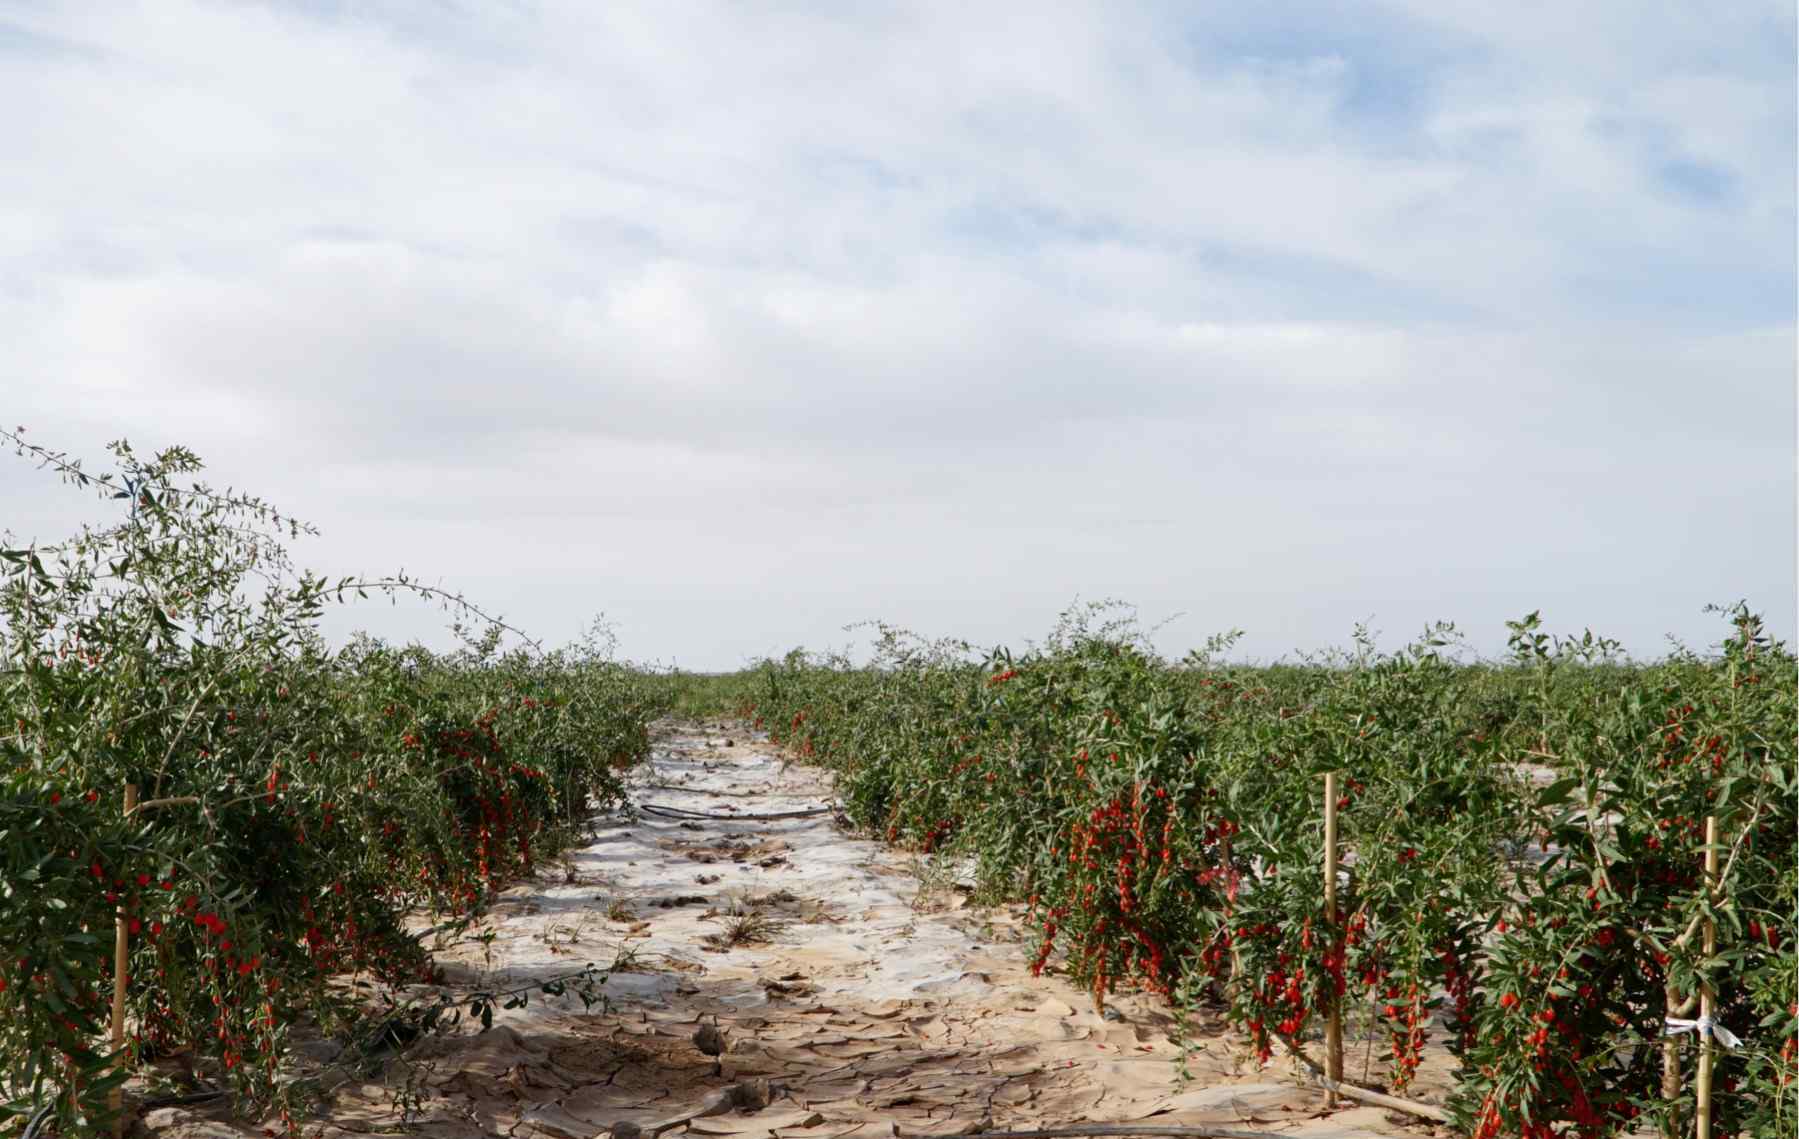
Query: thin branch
x=180, y=732
x=391, y=585
x=178, y=800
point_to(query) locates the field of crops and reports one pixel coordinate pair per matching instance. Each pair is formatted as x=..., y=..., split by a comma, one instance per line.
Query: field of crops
x=296, y=803
x=1522, y=845
x=198, y=785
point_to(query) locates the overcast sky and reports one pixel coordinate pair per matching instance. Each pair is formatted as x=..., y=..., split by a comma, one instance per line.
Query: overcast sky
x=742, y=322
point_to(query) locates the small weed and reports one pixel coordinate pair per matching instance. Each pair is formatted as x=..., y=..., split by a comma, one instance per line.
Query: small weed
x=744, y=925
x=559, y=938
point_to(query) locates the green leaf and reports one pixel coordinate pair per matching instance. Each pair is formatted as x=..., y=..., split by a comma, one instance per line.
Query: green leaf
x=1557, y=792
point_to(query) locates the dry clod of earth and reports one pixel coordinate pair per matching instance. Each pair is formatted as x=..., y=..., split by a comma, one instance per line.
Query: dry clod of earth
x=791, y=985
x=674, y=901
x=709, y=1039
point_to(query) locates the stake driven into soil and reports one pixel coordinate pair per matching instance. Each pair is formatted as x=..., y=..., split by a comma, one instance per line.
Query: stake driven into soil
x=1333, y=1026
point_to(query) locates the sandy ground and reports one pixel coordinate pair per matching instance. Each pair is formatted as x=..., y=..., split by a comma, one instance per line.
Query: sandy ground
x=871, y=1004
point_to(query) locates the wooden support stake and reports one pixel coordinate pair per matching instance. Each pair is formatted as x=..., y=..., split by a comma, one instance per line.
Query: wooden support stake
x=1671, y=1068
x=1333, y=1026
x=1702, y=1116
x=1230, y=873
x=121, y=953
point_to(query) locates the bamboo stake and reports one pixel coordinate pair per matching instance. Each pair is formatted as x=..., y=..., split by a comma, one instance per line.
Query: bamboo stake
x=1671, y=1068
x=1333, y=1026
x=1230, y=873
x=1702, y=1125
x=121, y=953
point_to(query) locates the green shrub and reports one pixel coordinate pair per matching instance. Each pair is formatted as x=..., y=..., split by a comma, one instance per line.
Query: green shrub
x=1521, y=842
x=300, y=801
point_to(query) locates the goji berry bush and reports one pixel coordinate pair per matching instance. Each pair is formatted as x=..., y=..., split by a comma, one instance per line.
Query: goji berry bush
x=302, y=801
x=1521, y=843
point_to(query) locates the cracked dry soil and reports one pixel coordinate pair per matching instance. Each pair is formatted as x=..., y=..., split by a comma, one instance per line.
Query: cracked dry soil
x=871, y=1003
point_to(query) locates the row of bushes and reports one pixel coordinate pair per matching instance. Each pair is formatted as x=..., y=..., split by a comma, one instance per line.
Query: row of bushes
x=305, y=800
x=1523, y=843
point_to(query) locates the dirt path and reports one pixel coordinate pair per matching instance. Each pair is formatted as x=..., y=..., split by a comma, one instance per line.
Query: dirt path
x=868, y=1003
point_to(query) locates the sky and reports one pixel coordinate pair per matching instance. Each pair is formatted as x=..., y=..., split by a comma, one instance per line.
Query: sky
x=744, y=323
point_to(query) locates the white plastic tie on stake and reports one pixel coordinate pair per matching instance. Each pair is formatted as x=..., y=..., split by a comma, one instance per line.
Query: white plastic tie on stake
x=1704, y=1026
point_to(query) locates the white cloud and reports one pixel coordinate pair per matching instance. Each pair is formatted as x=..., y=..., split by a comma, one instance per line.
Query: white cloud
x=740, y=323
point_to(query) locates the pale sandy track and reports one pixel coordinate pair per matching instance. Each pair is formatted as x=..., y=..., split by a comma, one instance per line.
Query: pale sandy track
x=871, y=1004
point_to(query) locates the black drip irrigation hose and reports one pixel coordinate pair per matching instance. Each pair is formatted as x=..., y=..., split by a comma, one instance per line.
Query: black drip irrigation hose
x=155, y=1102
x=1121, y=1129
x=683, y=813
x=711, y=792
